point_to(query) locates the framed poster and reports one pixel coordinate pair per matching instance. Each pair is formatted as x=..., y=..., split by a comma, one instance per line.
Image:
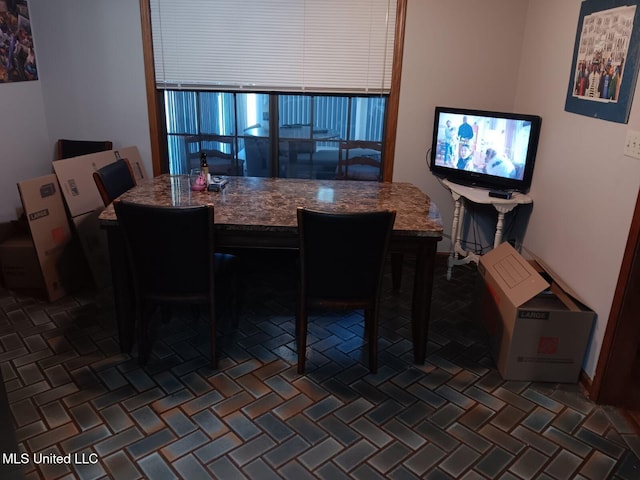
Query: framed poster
x=604, y=69
x=17, y=55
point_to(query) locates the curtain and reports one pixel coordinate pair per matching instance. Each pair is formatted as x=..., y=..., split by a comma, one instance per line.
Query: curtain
x=328, y=46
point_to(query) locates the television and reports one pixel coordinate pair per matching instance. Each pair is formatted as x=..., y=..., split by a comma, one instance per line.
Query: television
x=478, y=148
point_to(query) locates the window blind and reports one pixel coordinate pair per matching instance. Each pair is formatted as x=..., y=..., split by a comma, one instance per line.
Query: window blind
x=274, y=45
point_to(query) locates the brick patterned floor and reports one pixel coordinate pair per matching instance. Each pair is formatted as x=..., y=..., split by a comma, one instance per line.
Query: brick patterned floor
x=70, y=391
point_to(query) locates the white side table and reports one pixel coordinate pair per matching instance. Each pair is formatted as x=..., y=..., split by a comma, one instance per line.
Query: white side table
x=460, y=194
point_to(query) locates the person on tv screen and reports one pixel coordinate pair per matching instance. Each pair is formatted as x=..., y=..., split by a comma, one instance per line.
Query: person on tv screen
x=465, y=156
x=465, y=131
x=449, y=139
x=498, y=166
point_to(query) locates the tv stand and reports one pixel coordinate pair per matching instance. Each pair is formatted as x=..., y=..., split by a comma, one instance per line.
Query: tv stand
x=460, y=194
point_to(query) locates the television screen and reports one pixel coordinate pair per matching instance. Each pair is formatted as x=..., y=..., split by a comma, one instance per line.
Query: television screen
x=486, y=149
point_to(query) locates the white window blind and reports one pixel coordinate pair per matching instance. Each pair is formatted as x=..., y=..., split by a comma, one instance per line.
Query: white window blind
x=281, y=45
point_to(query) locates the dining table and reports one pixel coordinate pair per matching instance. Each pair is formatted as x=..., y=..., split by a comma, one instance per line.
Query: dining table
x=260, y=213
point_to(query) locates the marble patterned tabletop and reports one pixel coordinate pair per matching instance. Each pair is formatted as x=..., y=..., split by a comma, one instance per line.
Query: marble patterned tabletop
x=270, y=203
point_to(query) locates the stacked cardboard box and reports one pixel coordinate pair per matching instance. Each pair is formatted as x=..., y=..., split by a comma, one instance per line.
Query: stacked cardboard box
x=84, y=203
x=18, y=260
x=43, y=255
x=537, y=328
x=43, y=252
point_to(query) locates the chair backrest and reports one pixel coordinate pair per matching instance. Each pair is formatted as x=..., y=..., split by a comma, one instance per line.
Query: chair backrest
x=171, y=250
x=359, y=160
x=342, y=254
x=74, y=148
x=114, y=179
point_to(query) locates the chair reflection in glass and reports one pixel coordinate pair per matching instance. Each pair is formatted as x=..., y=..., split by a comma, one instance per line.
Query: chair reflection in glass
x=257, y=156
x=257, y=151
x=341, y=265
x=359, y=160
x=221, y=154
x=171, y=252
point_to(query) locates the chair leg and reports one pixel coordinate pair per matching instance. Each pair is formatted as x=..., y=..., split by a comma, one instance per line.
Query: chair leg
x=367, y=324
x=301, y=335
x=214, y=350
x=166, y=313
x=371, y=323
x=396, y=270
x=236, y=302
x=144, y=315
x=195, y=313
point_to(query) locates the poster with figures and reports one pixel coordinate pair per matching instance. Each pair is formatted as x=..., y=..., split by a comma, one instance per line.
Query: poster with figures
x=605, y=61
x=17, y=55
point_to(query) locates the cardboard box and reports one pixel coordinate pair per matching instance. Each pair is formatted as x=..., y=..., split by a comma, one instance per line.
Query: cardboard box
x=84, y=202
x=133, y=155
x=76, y=181
x=538, y=330
x=76, y=177
x=50, y=237
x=19, y=264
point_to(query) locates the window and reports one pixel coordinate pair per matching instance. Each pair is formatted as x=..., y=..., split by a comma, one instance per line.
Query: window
x=234, y=130
x=289, y=78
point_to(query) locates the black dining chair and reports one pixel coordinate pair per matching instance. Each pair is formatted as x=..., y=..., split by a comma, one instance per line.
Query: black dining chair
x=74, y=148
x=171, y=252
x=114, y=179
x=341, y=265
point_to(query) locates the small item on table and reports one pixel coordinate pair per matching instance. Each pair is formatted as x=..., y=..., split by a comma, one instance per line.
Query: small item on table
x=204, y=166
x=199, y=184
x=217, y=184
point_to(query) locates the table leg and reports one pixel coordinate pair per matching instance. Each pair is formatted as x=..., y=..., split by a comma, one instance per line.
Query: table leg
x=421, y=303
x=458, y=245
x=454, y=236
x=502, y=211
x=499, y=226
x=396, y=270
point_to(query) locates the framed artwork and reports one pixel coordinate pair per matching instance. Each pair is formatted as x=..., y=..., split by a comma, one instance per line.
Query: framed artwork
x=17, y=55
x=604, y=69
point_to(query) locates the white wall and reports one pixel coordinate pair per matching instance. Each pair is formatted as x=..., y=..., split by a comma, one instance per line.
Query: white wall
x=90, y=58
x=90, y=87
x=583, y=187
x=24, y=151
x=460, y=53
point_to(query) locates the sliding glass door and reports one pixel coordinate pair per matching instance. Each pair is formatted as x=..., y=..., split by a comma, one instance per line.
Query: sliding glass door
x=269, y=134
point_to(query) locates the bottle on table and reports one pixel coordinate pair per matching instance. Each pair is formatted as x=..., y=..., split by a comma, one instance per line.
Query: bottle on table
x=204, y=167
